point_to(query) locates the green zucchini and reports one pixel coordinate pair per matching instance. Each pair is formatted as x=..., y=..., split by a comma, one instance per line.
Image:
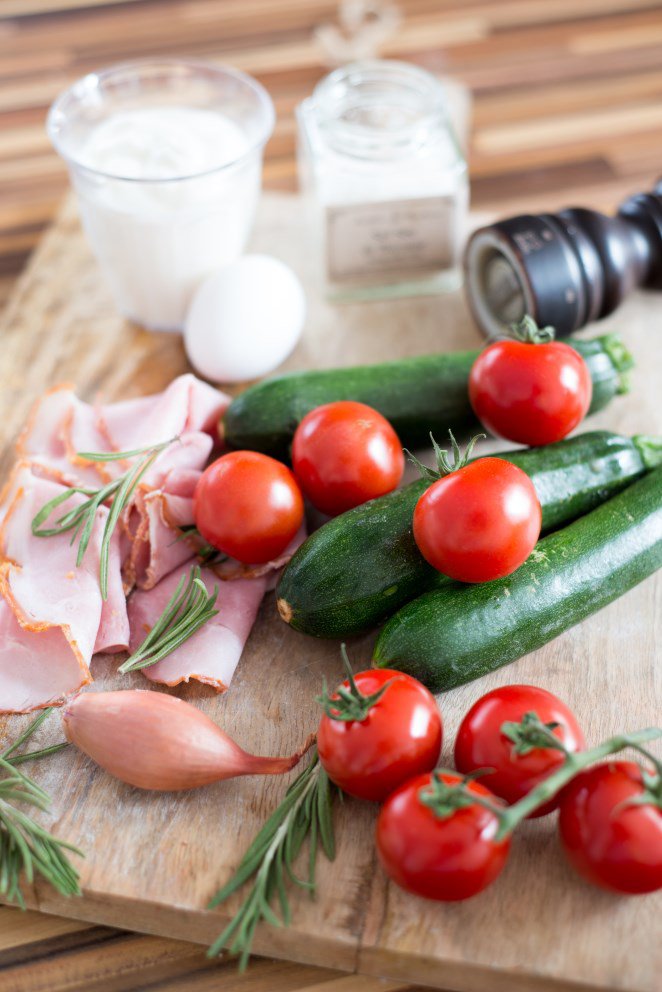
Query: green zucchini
x=359, y=568
x=458, y=632
x=417, y=395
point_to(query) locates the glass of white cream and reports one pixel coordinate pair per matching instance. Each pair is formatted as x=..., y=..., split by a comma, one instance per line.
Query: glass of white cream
x=166, y=160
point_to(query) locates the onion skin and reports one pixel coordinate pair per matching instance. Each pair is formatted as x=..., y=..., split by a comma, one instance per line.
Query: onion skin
x=159, y=742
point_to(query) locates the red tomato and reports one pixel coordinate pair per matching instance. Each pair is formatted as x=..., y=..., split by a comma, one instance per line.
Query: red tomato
x=530, y=393
x=480, y=522
x=344, y=454
x=399, y=737
x=611, y=844
x=480, y=743
x=248, y=505
x=444, y=858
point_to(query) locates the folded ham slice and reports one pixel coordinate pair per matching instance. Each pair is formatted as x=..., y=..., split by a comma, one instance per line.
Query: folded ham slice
x=58, y=427
x=158, y=546
x=51, y=612
x=113, y=633
x=37, y=667
x=172, y=469
x=213, y=652
x=188, y=404
x=162, y=505
x=52, y=616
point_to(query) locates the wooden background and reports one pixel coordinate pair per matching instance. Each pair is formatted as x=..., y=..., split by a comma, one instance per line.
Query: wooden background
x=566, y=109
x=567, y=93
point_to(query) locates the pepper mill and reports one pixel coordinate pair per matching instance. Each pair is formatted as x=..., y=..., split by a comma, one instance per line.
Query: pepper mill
x=565, y=269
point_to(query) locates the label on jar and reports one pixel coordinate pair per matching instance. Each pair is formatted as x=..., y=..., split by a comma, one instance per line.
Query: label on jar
x=392, y=235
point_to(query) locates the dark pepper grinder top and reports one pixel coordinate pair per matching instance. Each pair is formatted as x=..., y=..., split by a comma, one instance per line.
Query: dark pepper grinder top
x=565, y=269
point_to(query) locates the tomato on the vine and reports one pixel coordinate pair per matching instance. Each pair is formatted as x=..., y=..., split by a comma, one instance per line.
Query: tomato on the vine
x=379, y=729
x=344, y=454
x=480, y=522
x=611, y=831
x=530, y=391
x=248, y=506
x=445, y=853
x=515, y=769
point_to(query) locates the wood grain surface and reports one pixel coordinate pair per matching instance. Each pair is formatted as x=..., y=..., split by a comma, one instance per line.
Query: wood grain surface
x=153, y=861
x=567, y=92
x=566, y=109
x=41, y=953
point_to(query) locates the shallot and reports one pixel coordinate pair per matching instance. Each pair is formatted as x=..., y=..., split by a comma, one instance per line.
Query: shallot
x=159, y=742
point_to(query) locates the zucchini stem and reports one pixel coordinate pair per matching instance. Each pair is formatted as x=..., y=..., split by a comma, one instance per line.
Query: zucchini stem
x=620, y=357
x=650, y=449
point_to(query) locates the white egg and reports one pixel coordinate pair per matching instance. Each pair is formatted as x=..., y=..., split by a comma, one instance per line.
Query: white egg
x=244, y=319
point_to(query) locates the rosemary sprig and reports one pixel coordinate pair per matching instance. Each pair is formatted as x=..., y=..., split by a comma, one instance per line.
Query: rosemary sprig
x=18, y=759
x=81, y=519
x=26, y=848
x=188, y=609
x=305, y=812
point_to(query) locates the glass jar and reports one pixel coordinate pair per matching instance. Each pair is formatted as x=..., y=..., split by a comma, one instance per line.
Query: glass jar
x=386, y=181
x=166, y=160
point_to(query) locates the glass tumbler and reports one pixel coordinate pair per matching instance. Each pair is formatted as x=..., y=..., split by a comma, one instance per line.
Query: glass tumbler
x=166, y=160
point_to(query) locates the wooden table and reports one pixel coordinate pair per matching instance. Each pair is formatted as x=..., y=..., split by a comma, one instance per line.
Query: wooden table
x=50, y=953
x=567, y=109
x=566, y=93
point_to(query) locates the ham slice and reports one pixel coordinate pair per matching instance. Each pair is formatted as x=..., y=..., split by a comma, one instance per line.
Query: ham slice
x=158, y=545
x=188, y=404
x=230, y=570
x=113, y=633
x=212, y=654
x=57, y=614
x=37, y=667
x=162, y=505
x=189, y=454
x=52, y=616
x=58, y=427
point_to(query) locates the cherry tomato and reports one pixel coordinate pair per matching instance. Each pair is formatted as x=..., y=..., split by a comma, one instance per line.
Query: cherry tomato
x=481, y=744
x=399, y=737
x=530, y=393
x=248, y=505
x=445, y=858
x=612, y=844
x=344, y=454
x=480, y=522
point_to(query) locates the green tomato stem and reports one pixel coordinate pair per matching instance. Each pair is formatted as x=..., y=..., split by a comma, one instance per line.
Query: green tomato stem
x=528, y=332
x=574, y=762
x=348, y=705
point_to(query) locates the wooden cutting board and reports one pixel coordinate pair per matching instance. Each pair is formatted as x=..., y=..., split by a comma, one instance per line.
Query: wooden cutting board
x=153, y=861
